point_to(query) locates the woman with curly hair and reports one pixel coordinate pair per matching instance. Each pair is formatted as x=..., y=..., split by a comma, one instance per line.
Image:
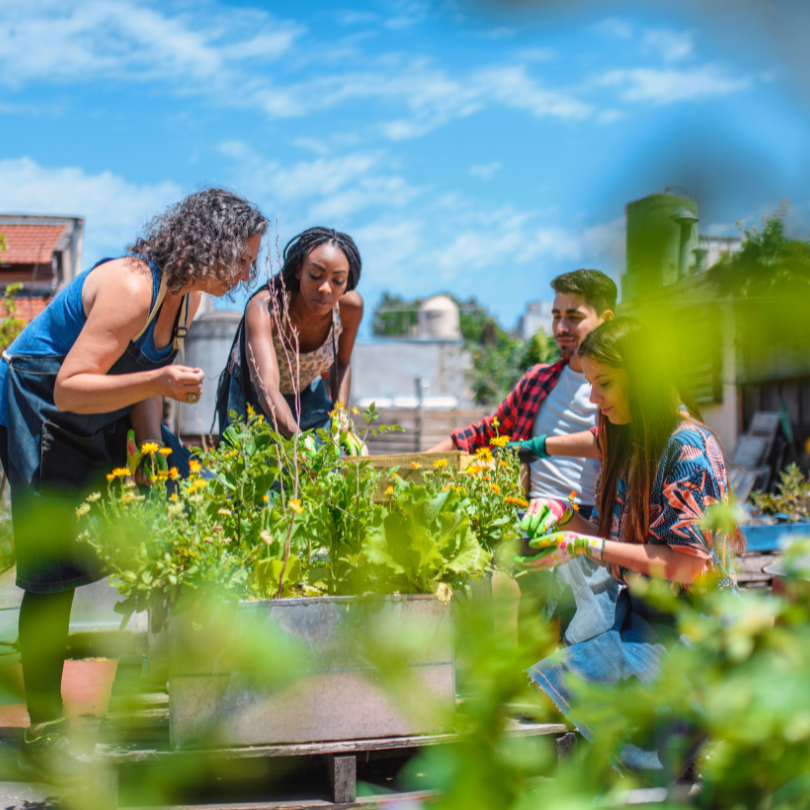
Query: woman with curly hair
x=95, y=363
x=297, y=330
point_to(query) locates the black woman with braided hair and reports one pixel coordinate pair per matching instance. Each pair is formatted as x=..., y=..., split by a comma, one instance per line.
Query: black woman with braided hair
x=297, y=336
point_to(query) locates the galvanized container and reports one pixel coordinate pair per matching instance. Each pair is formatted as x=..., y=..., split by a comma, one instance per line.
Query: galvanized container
x=308, y=670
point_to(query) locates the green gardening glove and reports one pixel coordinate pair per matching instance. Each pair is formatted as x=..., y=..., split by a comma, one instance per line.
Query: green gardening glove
x=531, y=449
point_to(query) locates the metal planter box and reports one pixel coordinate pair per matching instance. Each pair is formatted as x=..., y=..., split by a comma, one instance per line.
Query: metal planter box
x=309, y=670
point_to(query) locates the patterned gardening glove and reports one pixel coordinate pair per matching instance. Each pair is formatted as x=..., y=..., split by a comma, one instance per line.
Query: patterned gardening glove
x=148, y=463
x=531, y=449
x=545, y=515
x=345, y=437
x=559, y=549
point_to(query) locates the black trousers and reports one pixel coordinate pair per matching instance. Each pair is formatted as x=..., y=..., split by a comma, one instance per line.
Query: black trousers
x=44, y=626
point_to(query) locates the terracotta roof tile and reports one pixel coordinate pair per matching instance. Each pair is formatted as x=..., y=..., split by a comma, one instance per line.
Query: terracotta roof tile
x=29, y=244
x=28, y=307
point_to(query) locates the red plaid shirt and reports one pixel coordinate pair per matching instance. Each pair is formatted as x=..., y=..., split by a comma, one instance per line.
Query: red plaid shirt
x=516, y=413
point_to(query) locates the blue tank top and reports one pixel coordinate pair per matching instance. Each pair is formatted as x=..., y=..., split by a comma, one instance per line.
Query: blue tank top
x=57, y=327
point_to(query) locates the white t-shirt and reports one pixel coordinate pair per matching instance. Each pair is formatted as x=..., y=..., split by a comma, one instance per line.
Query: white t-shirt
x=567, y=409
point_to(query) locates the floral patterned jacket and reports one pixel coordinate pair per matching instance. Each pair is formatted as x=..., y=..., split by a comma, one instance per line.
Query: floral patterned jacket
x=690, y=478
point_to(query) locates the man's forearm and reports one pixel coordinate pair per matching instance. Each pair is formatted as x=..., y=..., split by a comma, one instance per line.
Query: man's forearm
x=444, y=446
x=576, y=445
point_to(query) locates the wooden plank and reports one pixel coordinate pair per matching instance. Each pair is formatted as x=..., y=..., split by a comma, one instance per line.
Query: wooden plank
x=342, y=771
x=382, y=801
x=128, y=753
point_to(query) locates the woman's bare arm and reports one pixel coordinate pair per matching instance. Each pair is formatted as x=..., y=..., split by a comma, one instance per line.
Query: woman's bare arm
x=655, y=561
x=119, y=306
x=351, y=314
x=263, y=364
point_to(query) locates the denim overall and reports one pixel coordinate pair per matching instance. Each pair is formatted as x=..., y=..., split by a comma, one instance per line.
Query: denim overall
x=56, y=457
x=236, y=390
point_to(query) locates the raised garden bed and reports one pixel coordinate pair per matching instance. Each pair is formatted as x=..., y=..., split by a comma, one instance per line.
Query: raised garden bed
x=336, y=682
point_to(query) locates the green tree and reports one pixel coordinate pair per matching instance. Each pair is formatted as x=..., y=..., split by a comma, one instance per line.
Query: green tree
x=10, y=324
x=769, y=283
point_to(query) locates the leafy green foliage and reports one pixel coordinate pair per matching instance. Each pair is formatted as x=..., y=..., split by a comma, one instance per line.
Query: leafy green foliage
x=769, y=282
x=10, y=324
x=263, y=517
x=792, y=496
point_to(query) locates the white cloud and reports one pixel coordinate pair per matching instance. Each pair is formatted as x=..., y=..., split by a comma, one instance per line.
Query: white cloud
x=671, y=85
x=114, y=208
x=485, y=170
x=672, y=46
x=614, y=27
x=537, y=54
x=327, y=190
x=91, y=39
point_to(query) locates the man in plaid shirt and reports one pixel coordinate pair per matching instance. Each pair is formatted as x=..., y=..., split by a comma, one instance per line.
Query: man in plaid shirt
x=550, y=407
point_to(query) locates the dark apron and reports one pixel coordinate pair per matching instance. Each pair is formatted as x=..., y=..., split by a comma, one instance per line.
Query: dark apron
x=56, y=459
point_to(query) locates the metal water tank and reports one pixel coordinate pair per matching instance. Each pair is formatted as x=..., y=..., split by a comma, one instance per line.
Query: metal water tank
x=438, y=319
x=661, y=235
x=207, y=345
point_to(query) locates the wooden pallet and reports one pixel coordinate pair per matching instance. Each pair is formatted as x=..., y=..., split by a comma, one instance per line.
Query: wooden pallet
x=136, y=732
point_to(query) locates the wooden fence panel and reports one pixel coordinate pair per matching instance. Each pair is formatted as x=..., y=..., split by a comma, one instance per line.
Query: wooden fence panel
x=423, y=428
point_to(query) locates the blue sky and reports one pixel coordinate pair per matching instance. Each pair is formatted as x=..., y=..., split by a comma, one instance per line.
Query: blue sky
x=476, y=148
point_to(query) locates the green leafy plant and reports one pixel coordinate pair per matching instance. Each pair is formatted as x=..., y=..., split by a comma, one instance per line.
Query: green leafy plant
x=10, y=324
x=792, y=496
x=263, y=516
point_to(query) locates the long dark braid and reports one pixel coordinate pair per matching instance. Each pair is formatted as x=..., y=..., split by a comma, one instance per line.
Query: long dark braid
x=299, y=246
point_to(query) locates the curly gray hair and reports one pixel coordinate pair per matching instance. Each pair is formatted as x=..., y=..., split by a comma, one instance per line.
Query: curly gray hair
x=203, y=236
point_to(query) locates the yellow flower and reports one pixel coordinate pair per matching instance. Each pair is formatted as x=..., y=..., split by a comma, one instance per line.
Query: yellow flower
x=484, y=453
x=120, y=472
x=165, y=451
x=295, y=505
x=173, y=497
x=250, y=411
x=93, y=497
x=495, y=422
x=174, y=474
x=447, y=487
x=487, y=477
x=503, y=464
x=389, y=491
x=517, y=502
x=473, y=469
x=195, y=466
x=495, y=488
x=260, y=419
x=266, y=499
x=82, y=510
x=394, y=475
x=147, y=448
x=162, y=475
x=500, y=441
x=415, y=465
x=355, y=410
x=458, y=490
x=442, y=462
x=110, y=477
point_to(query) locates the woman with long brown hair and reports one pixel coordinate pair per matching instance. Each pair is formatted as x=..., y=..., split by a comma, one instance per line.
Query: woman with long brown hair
x=662, y=470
